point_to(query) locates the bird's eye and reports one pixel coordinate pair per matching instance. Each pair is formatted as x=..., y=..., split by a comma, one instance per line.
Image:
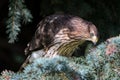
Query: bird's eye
x=91, y=34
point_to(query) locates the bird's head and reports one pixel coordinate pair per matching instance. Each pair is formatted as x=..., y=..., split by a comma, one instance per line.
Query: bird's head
x=83, y=30
x=93, y=35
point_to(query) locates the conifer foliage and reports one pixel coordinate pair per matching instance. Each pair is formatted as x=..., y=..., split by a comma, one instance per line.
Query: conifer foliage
x=99, y=63
x=17, y=13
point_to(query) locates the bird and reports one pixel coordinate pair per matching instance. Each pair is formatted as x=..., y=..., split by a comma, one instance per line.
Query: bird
x=60, y=34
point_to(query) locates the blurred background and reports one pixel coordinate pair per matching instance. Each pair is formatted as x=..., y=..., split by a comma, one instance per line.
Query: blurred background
x=105, y=14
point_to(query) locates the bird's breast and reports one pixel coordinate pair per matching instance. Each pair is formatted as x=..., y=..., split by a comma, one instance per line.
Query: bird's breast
x=64, y=49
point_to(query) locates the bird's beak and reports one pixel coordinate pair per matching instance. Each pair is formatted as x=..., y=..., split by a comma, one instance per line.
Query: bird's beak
x=94, y=39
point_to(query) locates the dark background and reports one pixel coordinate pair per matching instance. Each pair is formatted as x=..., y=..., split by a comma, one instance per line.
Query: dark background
x=105, y=14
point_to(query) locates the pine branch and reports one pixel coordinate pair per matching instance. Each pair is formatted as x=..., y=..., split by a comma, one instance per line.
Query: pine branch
x=96, y=65
x=17, y=13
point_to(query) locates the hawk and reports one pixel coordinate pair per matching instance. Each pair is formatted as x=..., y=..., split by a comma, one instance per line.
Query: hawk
x=60, y=34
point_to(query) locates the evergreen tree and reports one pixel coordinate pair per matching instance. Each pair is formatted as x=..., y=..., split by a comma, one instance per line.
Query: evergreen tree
x=99, y=63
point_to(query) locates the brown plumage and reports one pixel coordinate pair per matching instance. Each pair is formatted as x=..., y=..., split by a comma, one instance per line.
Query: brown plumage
x=61, y=29
x=59, y=35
